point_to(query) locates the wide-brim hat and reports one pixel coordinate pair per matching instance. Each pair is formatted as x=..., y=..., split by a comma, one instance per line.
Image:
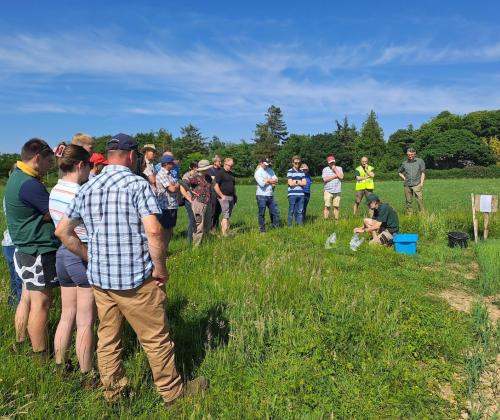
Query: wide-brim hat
x=204, y=165
x=149, y=146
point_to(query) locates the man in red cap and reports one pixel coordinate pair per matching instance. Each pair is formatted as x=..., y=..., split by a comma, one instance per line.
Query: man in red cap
x=332, y=175
x=97, y=163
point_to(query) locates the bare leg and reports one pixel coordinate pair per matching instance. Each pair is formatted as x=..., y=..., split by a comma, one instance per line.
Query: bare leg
x=326, y=212
x=22, y=314
x=336, y=213
x=64, y=331
x=355, y=208
x=85, y=317
x=225, y=227
x=37, y=321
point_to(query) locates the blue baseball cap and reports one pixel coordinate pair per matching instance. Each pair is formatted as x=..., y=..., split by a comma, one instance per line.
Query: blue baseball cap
x=122, y=141
x=167, y=159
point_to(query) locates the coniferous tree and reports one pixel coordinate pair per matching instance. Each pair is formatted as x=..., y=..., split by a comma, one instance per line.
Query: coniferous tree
x=270, y=134
x=371, y=140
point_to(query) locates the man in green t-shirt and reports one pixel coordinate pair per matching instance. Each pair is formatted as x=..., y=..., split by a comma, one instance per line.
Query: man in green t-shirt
x=32, y=232
x=384, y=224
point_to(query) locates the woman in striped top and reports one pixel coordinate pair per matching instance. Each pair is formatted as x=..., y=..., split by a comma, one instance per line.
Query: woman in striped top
x=77, y=298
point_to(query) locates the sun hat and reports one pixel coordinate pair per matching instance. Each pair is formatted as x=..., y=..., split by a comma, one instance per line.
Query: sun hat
x=149, y=146
x=204, y=165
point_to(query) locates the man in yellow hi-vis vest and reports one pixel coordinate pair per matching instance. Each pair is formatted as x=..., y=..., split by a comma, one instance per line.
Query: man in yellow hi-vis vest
x=364, y=182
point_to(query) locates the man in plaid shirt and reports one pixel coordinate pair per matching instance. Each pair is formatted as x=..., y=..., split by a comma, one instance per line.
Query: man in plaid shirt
x=126, y=267
x=168, y=197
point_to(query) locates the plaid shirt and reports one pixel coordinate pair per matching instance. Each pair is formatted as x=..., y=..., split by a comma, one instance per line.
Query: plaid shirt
x=111, y=206
x=166, y=199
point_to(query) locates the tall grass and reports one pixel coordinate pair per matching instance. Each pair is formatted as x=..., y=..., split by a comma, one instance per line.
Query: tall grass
x=285, y=328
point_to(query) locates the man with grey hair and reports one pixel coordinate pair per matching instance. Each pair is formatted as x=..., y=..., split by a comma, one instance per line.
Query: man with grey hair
x=226, y=193
x=412, y=172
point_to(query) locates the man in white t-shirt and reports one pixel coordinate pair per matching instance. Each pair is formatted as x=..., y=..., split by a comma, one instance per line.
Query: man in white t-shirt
x=332, y=175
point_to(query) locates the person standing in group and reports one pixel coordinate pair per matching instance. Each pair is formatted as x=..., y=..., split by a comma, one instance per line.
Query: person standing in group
x=266, y=183
x=332, y=176
x=8, y=249
x=296, y=182
x=32, y=232
x=201, y=187
x=126, y=267
x=226, y=191
x=84, y=140
x=216, y=209
x=77, y=297
x=175, y=172
x=149, y=152
x=187, y=195
x=307, y=188
x=168, y=197
x=364, y=182
x=97, y=163
x=384, y=224
x=412, y=172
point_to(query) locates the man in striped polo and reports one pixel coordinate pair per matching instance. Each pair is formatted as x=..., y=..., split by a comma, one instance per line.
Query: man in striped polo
x=296, y=182
x=126, y=267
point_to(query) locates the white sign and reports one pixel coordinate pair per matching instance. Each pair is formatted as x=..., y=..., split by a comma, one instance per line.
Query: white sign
x=485, y=203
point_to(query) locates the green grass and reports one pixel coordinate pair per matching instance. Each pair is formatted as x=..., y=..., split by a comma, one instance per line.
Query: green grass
x=285, y=328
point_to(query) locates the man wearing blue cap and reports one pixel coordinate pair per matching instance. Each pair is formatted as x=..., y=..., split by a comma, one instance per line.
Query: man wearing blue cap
x=168, y=189
x=126, y=267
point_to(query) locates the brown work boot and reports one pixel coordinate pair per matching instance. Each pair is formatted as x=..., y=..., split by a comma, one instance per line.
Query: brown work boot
x=117, y=391
x=190, y=389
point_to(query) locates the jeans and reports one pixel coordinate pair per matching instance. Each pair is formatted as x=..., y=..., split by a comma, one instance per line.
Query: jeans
x=269, y=202
x=295, y=209
x=16, y=284
x=191, y=220
x=307, y=197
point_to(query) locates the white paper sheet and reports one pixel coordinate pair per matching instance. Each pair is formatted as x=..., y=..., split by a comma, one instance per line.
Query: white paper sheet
x=485, y=203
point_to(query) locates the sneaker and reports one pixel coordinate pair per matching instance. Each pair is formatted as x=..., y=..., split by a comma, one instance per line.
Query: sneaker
x=191, y=388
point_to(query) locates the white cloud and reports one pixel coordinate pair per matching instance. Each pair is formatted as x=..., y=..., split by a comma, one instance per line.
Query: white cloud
x=240, y=83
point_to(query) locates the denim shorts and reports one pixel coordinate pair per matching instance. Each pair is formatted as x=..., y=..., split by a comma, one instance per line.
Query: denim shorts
x=71, y=269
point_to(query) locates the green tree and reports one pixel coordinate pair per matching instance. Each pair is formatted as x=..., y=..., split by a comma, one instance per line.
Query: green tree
x=346, y=137
x=7, y=160
x=371, y=143
x=270, y=134
x=457, y=148
x=191, y=141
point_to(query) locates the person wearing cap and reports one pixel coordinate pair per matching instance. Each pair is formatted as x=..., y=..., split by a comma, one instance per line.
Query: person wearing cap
x=364, y=182
x=296, y=181
x=167, y=192
x=187, y=193
x=126, y=268
x=307, y=188
x=226, y=192
x=412, y=172
x=149, y=152
x=201, y=185
x=266, y=183
x=97, y=163
x=175, y=172
x=384, y=224
x=332, y=176
x=32, y=233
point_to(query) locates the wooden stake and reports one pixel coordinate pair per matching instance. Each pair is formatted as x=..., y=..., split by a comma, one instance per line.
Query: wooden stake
x=486, y=225
x=474, y=220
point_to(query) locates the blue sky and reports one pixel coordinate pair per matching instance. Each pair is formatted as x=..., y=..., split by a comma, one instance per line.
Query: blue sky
x=106, y=67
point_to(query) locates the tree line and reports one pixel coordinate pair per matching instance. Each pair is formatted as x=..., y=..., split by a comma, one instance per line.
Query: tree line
x=446, y=141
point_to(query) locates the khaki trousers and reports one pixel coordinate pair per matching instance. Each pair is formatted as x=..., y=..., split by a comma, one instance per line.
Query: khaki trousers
x=409, y=191
x=203, y=219
x=144, y=309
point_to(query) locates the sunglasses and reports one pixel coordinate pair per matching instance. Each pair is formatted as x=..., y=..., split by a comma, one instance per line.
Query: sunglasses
x=297, y=162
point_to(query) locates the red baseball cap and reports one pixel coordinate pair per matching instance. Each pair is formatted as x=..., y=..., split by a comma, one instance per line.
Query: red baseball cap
x=330, y=159
x=97, y=158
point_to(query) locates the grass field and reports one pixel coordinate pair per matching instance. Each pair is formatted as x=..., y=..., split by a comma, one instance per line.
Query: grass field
x=284, y=328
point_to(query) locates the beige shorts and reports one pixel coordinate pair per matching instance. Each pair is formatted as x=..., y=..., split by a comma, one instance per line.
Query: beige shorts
x=226, y=205
x=331, y=199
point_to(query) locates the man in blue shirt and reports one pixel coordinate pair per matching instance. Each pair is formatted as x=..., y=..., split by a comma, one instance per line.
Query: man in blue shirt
x=126, y=267
x=296, y=182
x=266, y=183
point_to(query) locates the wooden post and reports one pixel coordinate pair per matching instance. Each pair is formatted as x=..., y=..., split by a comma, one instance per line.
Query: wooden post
x=474, y=219
x=486, y=225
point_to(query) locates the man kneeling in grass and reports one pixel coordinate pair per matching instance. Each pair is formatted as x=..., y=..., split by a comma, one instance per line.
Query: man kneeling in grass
x=384, y=224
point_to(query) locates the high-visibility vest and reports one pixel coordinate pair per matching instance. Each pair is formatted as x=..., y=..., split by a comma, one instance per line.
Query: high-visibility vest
x=366, y=184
